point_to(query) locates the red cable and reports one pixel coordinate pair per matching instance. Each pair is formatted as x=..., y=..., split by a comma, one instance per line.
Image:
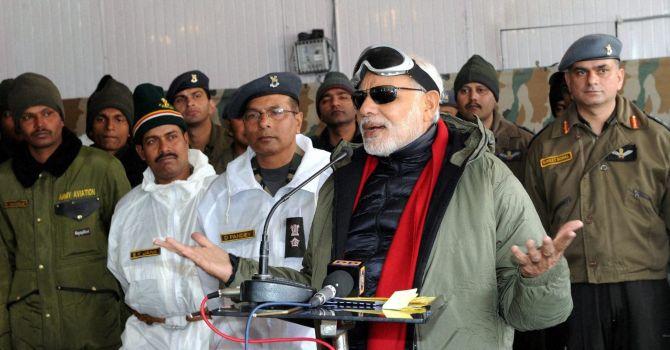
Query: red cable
x=203, y=314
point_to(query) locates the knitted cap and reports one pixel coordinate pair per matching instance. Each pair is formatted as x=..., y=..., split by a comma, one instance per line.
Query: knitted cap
x=151, y=110
x=31, y=89
x=478, y=70
x=109, y=94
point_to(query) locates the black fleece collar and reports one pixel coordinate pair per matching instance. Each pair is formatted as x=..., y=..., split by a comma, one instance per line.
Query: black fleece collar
x=27, y=169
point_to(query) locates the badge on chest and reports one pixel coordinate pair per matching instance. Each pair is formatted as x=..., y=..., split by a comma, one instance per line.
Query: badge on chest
x=237, y=236
x=627, y=153
x=294, y=244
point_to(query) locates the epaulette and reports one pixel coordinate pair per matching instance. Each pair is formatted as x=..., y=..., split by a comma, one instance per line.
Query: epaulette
x=540, y=132
x=525, y=128
x=658, y=121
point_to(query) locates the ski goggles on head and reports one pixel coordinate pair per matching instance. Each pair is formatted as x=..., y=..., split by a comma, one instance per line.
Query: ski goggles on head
x=386, y=60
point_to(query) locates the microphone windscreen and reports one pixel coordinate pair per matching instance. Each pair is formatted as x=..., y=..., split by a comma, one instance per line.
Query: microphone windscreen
x=342, y=281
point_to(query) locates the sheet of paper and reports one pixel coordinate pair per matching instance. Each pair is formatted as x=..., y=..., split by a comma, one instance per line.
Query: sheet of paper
x=400, y=299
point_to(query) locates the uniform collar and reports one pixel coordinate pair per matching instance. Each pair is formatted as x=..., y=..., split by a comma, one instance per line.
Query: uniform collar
x=624, y=114
x=27, y=169
x=201, y=170
x=214, y=136
x=240, y=175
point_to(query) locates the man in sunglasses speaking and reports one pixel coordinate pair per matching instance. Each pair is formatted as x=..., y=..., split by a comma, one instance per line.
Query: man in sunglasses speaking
x=477, y=89
x=425, y=204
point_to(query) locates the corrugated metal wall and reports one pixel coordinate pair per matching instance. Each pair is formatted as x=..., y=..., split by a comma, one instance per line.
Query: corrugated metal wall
x=75, y=42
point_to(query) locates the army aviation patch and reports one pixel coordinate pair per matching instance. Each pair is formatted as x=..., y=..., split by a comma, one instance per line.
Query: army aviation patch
x=627, y=153
x=509, y=155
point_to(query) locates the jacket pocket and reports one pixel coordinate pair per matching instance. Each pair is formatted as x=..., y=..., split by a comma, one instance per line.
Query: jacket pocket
x=77, y=226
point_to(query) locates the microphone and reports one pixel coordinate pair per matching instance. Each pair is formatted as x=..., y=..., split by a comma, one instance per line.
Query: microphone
x=263, y=287
x=356, y=271
x=337, y=284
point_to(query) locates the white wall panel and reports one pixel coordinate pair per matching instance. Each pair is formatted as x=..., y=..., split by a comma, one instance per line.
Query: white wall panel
x=75, y=42
x=656, y=42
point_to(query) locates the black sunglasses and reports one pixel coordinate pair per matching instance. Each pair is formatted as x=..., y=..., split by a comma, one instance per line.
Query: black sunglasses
x=379, y=94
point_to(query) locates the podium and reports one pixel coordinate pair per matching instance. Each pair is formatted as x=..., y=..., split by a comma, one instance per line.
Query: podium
x=336, y=320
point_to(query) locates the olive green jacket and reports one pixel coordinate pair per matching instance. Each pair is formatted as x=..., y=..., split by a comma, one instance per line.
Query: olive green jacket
x=55, y=289
x=219, y=150
x=511, y=144
x=617, y=183
x=470, y=264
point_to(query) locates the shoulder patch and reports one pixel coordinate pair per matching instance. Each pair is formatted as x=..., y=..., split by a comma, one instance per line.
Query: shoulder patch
x=658, y=121
x=540, y=132
x=526, y=129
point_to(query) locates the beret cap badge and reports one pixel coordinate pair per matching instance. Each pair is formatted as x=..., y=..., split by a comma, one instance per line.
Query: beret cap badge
x=608, y=49
x=274, y=81
x=164, y=103
x=194, y=78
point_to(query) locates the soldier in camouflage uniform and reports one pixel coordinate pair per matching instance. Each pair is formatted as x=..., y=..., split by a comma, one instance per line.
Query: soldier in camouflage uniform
x=477, y=90
x=190, y=95
x=57, y=202
x=607, y=163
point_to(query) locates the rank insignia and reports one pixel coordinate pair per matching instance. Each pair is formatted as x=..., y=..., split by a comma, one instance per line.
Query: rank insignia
x=634, y=122
x=566, y=127
x=510, y=155
x=194, y=78
x=555, y=160
x=627, y=153
x=608, y=49
x=274, y=81
x=237, y=235
x=139, y=254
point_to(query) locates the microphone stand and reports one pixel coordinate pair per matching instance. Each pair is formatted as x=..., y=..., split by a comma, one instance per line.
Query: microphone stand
x=263, y=287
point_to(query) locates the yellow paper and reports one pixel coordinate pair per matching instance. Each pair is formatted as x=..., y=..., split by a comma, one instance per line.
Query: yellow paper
x=400, y=299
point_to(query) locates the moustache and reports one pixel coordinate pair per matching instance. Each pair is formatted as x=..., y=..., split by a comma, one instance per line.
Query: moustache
x=41, y=131
x=369, y=121
x=473, y=105
x=161, y=156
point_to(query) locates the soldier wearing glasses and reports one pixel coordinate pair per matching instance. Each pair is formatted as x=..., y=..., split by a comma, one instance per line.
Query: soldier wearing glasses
x=278, y=158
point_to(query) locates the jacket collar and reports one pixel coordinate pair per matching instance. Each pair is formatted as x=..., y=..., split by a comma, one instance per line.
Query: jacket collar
x=27, y=169
x=624, y=112
x=201, y=171
x=240, y=176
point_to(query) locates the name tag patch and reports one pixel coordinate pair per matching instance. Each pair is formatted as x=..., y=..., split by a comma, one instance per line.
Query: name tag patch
x=510, y=155
x=294, y=244
x=22, y=203
x=82, y=232
x=237, y=235
x=555, y=160
x=138, y=254
x=627, y=153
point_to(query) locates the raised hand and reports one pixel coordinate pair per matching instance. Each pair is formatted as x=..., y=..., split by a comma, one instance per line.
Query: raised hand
x=538, y=261
x=207, y=255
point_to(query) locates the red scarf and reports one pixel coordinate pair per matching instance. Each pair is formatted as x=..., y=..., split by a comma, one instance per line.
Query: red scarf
x=398, y=272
